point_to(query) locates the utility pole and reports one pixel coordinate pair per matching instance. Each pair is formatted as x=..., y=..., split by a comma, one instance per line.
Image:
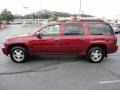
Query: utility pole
x=80, y=9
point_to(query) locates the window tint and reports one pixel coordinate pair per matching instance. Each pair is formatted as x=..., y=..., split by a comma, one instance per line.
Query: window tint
x=100, y=29
x=73, y=29
x=52, y=30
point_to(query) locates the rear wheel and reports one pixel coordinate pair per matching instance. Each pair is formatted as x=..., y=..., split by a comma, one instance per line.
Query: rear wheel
x=95, y=55
x=18, y=54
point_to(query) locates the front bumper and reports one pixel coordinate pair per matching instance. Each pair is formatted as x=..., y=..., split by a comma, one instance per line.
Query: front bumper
x=4, y=50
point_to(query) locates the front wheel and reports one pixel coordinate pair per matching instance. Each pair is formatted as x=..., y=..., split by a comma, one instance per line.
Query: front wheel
x=96, y=55
x=18, y=54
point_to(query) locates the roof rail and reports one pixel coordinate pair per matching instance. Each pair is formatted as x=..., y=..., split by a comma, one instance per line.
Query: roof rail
x=92, y=20
x=83, y=20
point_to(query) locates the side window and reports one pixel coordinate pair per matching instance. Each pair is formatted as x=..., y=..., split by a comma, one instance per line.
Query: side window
x=52, y=30
x=73, y=29
x=100, y=29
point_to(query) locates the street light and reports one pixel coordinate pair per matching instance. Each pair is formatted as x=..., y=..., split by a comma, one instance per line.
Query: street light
x=26, y=8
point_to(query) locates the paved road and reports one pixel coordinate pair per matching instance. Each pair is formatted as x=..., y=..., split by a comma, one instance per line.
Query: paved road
x=57, y=72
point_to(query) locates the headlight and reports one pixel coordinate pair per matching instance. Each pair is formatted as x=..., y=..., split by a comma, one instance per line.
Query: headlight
x=2, y=45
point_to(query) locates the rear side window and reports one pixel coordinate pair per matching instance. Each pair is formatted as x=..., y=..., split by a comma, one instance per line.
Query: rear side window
x=100, y=29
x=73, y=29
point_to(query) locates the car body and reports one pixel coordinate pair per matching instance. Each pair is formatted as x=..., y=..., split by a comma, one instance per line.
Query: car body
x=65, y=37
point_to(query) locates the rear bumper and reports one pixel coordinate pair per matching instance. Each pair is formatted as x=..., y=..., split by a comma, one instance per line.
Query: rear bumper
x=112, y=49
x=4, y=50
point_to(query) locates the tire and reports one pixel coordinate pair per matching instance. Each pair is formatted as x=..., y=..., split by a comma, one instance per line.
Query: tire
x=18, y=54
x=95, y=55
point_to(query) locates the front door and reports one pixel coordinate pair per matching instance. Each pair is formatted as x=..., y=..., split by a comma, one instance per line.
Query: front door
x=48, y=43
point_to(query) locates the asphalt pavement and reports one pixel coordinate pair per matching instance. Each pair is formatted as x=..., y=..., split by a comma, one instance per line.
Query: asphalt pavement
x=57, y=72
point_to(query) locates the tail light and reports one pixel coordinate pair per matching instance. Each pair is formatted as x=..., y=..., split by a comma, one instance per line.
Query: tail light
x=115, y=40
x=112, y=41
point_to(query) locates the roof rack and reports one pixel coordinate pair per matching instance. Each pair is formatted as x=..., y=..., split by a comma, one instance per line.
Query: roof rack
x=83, y=20
x=92, y=20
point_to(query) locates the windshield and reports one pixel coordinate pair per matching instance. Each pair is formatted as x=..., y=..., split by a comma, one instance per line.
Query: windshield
x=38, y=29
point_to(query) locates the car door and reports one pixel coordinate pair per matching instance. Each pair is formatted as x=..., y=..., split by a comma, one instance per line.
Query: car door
x=72, y=40
x=48, y=42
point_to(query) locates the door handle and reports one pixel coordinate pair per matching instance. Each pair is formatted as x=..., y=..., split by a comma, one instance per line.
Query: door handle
x=56, y=40
x=81, y=39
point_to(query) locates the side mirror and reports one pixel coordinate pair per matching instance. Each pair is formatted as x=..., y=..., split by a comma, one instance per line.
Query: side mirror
x=38, y=34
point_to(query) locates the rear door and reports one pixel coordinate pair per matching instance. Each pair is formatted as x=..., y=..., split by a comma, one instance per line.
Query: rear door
x=72, y=38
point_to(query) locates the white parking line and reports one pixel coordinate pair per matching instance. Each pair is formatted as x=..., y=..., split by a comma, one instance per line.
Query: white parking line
x=109, y=82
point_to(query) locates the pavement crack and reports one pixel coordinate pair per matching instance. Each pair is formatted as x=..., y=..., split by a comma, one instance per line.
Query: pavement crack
x=43, y=68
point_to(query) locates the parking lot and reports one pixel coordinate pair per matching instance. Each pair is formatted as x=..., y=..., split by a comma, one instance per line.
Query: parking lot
x=57, y=72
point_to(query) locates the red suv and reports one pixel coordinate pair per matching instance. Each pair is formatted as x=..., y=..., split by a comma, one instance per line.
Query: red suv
x=92, y=38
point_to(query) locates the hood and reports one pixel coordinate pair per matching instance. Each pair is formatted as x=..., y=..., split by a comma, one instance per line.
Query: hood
x=18, y=38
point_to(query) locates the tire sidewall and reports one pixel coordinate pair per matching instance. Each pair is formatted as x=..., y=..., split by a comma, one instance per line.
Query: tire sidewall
x=91, y=50
x=21, y=48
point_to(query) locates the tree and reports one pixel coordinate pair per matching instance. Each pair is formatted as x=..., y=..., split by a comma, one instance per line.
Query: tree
x=51, y=15
x=0, y=19
x=54, y=18
x=6, y=15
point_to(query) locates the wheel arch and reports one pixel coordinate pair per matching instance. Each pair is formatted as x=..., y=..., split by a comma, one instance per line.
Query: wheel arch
x=103, y=46
x=18, y=44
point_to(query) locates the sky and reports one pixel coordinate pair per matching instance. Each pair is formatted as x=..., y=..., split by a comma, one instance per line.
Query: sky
x=98, y=8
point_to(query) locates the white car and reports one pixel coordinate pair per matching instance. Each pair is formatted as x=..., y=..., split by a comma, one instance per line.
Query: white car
x=116, y=30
